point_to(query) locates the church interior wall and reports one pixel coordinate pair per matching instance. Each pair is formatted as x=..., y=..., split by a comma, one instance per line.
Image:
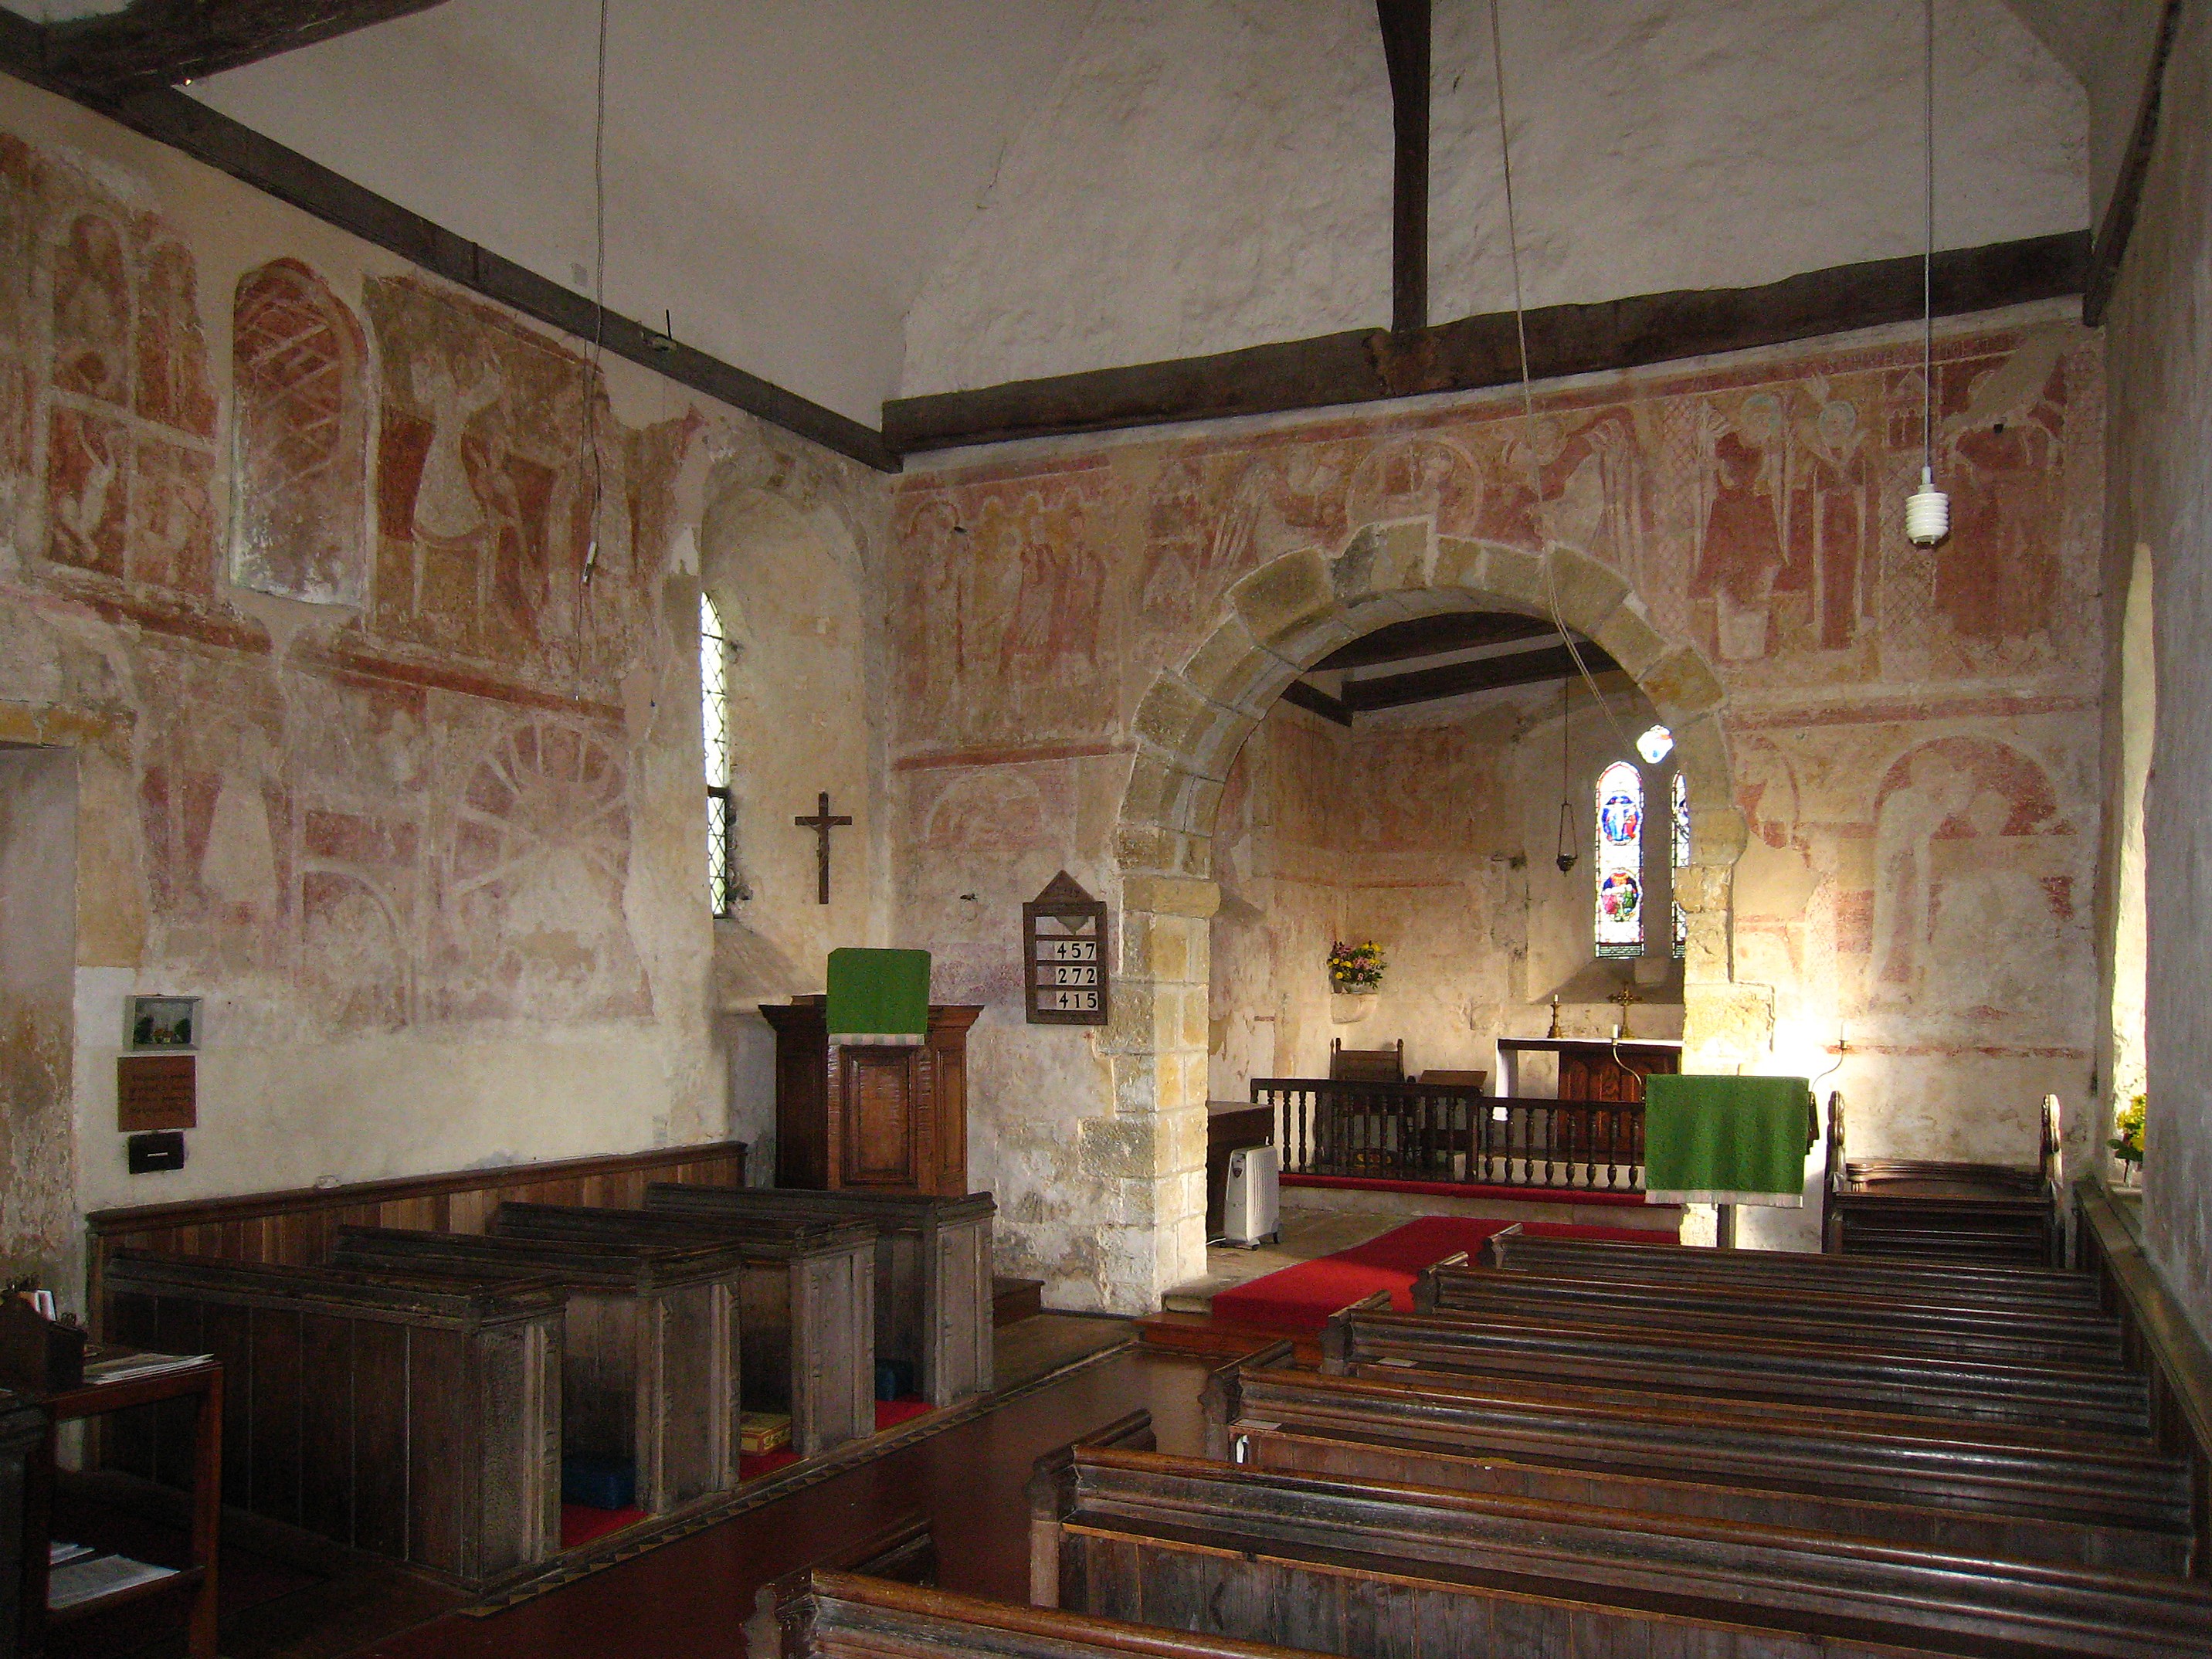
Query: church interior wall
x=2159, y=334
x=1433, y=832
x=387, y=739
x=1914, y=736
x=1208, y=175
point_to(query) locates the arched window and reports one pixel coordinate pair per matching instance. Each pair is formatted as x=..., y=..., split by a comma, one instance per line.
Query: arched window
x=1681, y=860
x=723, y=887
x=1620, y=863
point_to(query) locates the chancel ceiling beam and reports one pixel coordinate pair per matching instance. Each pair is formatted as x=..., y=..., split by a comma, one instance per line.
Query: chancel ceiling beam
x=1406, y=35
x=1432, y=636
x=160, y=43
x=1369, y=365
x=183, y=123
x=1457, y=679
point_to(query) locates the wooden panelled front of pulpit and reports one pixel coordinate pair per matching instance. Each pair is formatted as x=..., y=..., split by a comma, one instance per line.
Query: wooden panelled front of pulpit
x=868, y=1118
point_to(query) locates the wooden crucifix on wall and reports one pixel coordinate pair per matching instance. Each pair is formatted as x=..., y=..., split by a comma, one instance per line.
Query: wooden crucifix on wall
x=822, y=823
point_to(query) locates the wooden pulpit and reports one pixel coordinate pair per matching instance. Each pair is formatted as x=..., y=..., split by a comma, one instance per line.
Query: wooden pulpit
x=876, y=1119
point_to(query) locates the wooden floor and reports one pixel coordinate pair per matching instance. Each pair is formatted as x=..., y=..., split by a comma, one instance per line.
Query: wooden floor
x=692, y=1596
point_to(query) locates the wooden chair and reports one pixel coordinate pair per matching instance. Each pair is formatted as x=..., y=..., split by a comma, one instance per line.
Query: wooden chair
x=1366, y=1065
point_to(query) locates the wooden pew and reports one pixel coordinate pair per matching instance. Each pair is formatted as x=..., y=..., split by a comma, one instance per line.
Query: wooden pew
x=1945, y=1211
x=834, y=1615
x=1363, y=1567
x=1961, y=1284
x=2083, y=1339
x=2104, y=1401
x=414, y=1418
x=808, y=1316
x=905, y=1552
x=26, y=1476
x=651, y=1373
x=934, y=1263
x=1894, y=1481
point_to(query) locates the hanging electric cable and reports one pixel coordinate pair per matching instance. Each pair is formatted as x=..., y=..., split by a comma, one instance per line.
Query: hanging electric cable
x=591, y=433
x=1928, y=511
x=1527, y=390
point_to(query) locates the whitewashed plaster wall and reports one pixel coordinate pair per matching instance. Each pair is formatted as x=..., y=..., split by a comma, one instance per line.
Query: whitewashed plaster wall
x=780, y=175
x=1208, y=174
x=435, y=857
x=2160, y=330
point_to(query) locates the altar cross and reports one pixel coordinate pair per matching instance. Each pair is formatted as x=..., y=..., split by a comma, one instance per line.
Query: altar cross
x=822, y=823
x=1627, y=997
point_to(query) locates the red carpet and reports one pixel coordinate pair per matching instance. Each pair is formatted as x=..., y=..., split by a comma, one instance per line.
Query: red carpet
x=580, y=1523
x=1464, y=1189
x=1298, y=1301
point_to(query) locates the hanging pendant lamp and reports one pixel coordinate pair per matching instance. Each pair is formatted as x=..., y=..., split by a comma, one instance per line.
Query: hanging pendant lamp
x=1570, y=843
x=1928, y=510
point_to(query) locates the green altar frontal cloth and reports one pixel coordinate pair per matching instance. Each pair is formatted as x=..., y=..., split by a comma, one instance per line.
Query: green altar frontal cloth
x=1726, y=1139
x=878, y=997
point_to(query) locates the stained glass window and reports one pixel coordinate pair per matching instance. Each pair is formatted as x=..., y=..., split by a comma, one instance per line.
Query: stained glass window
x=1682, y=860
x=1619, y=872
x=722, y=887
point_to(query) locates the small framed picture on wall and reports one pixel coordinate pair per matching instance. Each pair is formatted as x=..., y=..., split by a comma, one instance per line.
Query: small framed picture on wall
x=161, y=1024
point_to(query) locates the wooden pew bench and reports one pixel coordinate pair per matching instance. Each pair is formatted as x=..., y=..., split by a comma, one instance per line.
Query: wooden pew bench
x=1960, y=1285
x=834, y=1615
x=650, y=1375
x=934, y=1262
x=1370, y=1567
x=1886, y=1480
x=2103, y=1402
x=413, y=1417
x=1837, y=1324
x=807, y=1318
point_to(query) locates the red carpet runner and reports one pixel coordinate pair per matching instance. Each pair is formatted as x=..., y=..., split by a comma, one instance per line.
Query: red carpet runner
x=1297, y=1301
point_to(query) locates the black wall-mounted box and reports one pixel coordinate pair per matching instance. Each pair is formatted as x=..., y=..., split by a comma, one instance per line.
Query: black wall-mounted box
x=157, y=1149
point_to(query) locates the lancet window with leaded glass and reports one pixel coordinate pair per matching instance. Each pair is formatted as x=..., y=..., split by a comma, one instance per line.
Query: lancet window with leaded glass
x=1680, y=861
x=1619, y=862
x=722, y=887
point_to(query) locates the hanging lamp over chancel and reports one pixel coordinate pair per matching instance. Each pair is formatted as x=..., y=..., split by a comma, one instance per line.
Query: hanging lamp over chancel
x=1568, y=851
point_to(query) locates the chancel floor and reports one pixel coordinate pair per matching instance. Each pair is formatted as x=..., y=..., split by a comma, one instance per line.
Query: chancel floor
x=1306, y=1235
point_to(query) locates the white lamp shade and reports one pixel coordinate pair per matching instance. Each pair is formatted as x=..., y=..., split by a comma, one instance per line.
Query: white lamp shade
x=1927, y=513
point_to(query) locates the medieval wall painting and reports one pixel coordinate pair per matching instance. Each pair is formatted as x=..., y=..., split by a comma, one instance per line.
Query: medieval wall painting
x=300, y=439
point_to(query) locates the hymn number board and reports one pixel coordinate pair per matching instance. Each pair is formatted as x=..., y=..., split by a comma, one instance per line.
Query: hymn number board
x=1064, y=944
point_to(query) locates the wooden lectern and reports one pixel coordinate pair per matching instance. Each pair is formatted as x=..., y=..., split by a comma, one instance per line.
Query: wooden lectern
x=854, y=1117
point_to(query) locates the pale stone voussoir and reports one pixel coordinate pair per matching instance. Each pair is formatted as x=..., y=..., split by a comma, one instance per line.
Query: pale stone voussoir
x=1143, y=846
x=1627, y=636
x=1385, y=558
x=1171, y=715
x=1234, y=669
x=1586, y=591
x=1284, y=596
x=1701, y=751
x=1683, y=685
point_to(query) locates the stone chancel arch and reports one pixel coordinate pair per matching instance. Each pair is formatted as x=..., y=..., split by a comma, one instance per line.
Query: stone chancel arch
x=1282, y=619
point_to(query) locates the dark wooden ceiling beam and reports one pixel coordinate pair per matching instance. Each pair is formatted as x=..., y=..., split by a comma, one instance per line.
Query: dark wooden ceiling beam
x=183, y=123
x=1431, y=636
x=1406, y=38
x=1370, y=365
x=160, y=43
x=1484, y=674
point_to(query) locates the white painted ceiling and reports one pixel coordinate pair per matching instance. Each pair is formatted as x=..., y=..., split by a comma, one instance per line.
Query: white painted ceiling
x=786, y=177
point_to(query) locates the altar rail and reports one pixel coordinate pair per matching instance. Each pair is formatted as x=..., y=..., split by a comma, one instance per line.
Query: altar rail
x=1452, y=1132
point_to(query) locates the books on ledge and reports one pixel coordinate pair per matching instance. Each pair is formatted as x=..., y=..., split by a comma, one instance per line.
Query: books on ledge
x=90, y=1577
x=129, y=1365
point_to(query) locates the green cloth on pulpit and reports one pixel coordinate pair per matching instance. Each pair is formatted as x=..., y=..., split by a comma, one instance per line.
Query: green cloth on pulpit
x=878, y=997
x=1726, y=1139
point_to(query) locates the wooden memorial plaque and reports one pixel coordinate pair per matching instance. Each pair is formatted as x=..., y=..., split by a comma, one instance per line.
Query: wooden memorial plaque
x=157, y=1091
x=1066, y=979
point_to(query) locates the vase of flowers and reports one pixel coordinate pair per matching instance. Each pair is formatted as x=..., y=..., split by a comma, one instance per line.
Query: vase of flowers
x=2127, y=1141
x=1355, y=980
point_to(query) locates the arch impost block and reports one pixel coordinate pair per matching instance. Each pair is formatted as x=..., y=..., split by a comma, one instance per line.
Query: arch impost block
x=1284, y=595
x=1717, y=836
x=1170, y=895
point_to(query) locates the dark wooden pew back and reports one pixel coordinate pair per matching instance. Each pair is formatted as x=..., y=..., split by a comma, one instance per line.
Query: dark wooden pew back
x=934, y=1262
x=651, y=1368
x=807, y=1318
x=1913, y=1490
x=2105, y=1402
x=414, y=1418
x=1364, y=1567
